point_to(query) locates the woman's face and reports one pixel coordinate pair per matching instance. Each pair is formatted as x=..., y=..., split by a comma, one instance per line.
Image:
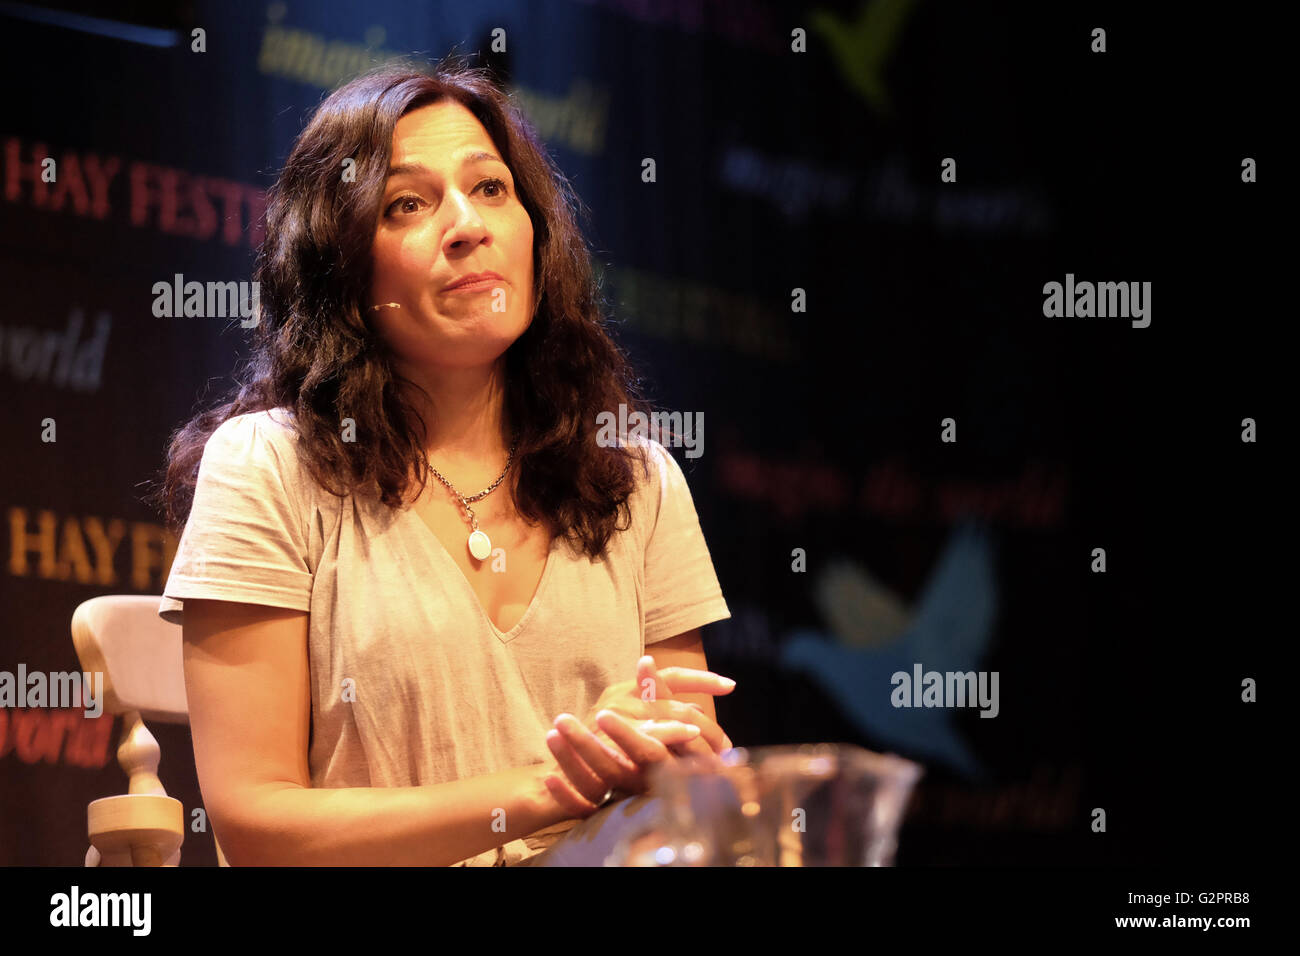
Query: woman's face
x=450, y=209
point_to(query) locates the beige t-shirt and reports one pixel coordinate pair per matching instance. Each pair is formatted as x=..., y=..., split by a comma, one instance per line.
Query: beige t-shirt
x=411, y=682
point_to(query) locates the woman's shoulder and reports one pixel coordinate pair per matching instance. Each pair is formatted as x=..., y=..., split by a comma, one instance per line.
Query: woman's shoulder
x=662, y=466
x=273, y=421
x=657, y=475
x=274, y=426
x=259, y=441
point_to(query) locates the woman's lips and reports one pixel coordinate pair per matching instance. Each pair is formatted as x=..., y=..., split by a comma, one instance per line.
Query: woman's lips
x=481, y=285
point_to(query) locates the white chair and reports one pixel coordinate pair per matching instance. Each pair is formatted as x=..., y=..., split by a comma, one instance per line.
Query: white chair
x=139, y=654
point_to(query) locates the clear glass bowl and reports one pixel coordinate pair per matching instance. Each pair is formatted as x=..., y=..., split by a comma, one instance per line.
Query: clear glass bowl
x=801, y=805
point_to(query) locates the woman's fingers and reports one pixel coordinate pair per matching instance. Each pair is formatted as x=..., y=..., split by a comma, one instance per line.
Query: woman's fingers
x=726, y=740
x=667, y=732
x=659, y=687
x=569, y=800
x=647, y=741
x=697, y=747
x=710, y=732
x=565, y=795
x=610, y=765
x=649, y=684
x=593, y=767
x=586, y=781
x=680, y=680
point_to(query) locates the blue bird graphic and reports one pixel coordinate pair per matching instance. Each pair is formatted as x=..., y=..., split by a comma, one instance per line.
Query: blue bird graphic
x=950, y=630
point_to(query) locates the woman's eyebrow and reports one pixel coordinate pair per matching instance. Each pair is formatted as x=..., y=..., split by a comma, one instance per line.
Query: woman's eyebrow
x=419, y=169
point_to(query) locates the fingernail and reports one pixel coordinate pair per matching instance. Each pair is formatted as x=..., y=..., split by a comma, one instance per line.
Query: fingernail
x=727, y=741
x=726, y=682
x=692, y=730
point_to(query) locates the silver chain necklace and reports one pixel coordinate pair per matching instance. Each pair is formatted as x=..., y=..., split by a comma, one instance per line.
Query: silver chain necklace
x=480, y=546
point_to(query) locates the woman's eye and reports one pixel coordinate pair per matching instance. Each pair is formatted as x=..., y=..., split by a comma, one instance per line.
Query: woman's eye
x=399, y=201
x=494, y=183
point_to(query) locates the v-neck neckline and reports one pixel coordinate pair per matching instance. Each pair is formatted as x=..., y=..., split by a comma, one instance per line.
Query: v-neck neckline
x=505, y=637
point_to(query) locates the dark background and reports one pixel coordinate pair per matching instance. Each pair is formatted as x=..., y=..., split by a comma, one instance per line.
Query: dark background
x=776, y=170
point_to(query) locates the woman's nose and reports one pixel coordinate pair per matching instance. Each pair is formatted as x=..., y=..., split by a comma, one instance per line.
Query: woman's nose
x=467, y=226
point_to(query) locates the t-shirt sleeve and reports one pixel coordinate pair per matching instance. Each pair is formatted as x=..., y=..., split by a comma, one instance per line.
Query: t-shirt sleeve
x=245, y=539
x=682, y=590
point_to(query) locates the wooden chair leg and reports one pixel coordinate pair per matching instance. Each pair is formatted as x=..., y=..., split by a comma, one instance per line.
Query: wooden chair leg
x=144, y=827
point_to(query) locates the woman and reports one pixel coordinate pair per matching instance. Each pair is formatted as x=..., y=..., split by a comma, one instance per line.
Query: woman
x=429, y=618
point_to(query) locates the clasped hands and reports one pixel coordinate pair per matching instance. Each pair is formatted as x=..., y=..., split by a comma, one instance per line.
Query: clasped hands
x=632, y=726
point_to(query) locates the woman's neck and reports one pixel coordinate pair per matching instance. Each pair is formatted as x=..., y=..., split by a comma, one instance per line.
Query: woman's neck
x=464, y=416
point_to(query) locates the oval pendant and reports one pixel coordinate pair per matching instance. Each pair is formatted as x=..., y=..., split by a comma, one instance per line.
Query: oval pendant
x=479, y=545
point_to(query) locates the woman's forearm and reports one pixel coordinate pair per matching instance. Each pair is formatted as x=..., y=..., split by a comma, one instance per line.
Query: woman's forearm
x=433, y=825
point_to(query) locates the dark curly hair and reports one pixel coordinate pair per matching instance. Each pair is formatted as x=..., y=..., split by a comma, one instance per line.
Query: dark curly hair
x=315, y=352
